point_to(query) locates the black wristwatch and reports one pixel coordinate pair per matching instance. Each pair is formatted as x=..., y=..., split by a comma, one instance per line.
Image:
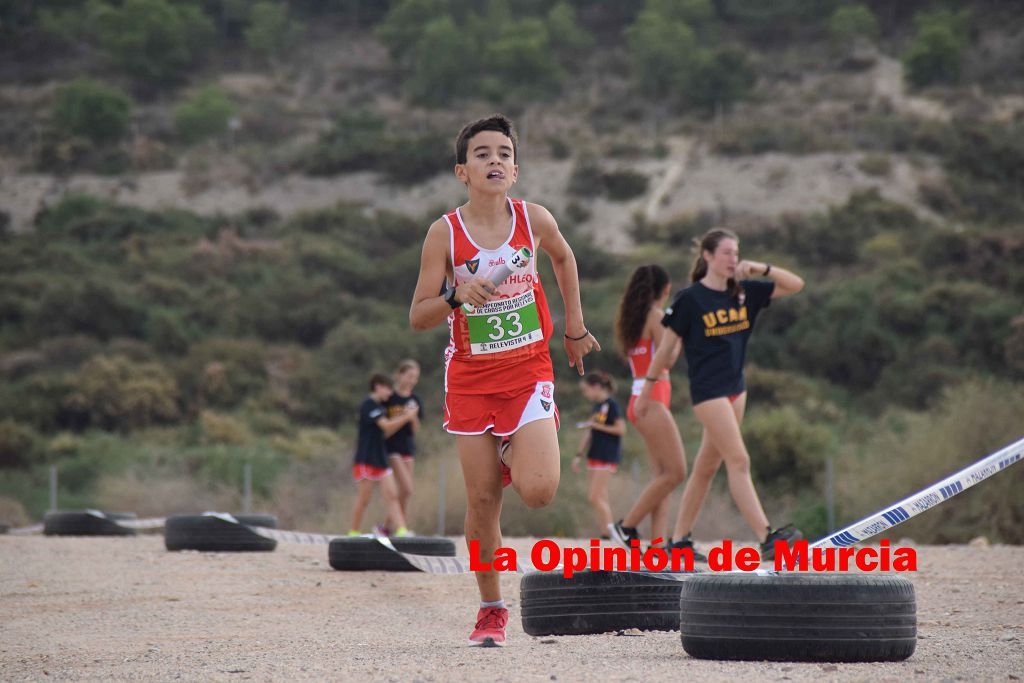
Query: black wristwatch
x=449, y=297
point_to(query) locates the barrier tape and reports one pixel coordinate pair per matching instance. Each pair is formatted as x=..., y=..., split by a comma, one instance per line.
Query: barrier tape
x=924, y=499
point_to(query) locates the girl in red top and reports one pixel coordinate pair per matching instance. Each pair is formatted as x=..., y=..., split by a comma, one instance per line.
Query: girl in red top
x=639, y=333
x=498, y=375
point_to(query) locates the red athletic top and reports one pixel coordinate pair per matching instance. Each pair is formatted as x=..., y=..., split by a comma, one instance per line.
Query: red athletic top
x=502, y=346
x=639, y=358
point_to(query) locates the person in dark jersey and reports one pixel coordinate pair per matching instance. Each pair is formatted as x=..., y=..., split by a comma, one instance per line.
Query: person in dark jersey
x=602, y=444
x=714, y=318
x=371, y=466
x=401, y=446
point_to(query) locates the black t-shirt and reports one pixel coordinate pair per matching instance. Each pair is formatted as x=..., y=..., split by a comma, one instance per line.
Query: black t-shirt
x=402, y=442
x=605, y=447
x=370, y=446
x=715, y=328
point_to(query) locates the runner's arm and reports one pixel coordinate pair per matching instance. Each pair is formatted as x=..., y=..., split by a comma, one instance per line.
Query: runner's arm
x=390, y=425
x=657, y=333
x=429, y=309
x=664, y=357
x=786, y=282
x=563, y=262
x=617, y=428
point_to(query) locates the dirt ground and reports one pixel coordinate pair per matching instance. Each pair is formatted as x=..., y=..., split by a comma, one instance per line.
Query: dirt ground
x=124, y=608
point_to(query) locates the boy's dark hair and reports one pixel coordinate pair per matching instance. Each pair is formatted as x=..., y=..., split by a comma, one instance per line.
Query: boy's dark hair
x=600, y=378
x=496, y=122
x=379, y=379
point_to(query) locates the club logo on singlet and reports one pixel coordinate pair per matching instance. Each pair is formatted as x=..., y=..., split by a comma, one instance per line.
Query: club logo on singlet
x=472, y=266
x=547, y=405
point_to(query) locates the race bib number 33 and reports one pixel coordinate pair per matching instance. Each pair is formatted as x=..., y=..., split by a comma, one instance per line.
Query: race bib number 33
x=504, y=324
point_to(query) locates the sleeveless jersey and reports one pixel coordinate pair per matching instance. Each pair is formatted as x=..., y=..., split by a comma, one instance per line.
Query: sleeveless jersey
x=502, y=346
x=639, y=358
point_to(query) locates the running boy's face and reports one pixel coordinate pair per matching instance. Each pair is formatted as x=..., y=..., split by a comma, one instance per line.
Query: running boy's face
x=490, y=163
x=724, y=259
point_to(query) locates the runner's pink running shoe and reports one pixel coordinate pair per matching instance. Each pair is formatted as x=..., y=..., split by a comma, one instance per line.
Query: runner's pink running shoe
x=490, y=627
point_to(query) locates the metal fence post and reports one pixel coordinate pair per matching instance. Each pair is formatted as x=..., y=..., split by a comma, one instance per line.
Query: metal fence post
x=53, y=488
x=247, y=488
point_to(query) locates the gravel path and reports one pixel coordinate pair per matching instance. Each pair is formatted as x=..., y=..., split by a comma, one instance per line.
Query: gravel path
x=124, y=608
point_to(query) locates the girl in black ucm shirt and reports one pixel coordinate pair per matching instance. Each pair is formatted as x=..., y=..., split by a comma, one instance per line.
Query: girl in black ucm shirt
x=714, y=318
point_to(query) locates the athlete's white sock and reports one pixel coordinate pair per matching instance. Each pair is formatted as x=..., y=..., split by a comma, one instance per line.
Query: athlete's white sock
x=500, y=604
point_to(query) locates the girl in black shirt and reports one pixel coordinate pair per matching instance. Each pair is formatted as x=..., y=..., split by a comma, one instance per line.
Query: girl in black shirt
x=603, y=443
x=714, y=318
x=401, y=447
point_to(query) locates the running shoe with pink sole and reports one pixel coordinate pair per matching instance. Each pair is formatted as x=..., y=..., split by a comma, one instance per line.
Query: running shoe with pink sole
x=490, y=627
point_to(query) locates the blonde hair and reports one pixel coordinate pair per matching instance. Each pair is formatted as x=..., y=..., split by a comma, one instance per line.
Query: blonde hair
x=407, y=364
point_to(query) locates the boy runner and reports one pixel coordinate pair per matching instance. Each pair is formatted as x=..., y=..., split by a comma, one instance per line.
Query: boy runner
x=498, y=376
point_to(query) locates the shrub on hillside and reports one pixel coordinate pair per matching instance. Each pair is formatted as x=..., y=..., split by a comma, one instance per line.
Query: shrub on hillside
x=222, y=373
x=271, y=32
x=203, y=116
x=936, y=52
x=154, y=41
x=92, y=110
x=115, y=393
x=787, y=451
x=18, y=444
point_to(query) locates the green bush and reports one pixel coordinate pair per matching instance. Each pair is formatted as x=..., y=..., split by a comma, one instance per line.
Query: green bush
x=936, y=52
x=720, y=78
x=93, y=110
x=786, y=450
x=222, y=373
x=154, y=41
x=271, y=32
x=18, y=444
x=87, y=307
x=361, y=141
x=623, y=184
x=851, y=23
x=663, y=53
x=118, y=394
x=439, y=71
x=203, y=116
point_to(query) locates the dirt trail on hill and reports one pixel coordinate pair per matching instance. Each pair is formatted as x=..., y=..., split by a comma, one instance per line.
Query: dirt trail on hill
x=124, y=608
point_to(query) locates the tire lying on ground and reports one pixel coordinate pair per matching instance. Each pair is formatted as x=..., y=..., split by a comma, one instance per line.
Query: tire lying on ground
x=214, y=534
x=598, y=602
x=798, y=617
x=86, y=523
x=365, y=554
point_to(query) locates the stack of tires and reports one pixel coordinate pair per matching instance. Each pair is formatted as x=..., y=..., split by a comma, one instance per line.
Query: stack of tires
x=797, y=617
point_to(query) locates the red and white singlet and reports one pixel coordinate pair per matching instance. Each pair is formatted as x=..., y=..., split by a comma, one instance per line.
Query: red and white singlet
x=639, y=358
x=502, y=346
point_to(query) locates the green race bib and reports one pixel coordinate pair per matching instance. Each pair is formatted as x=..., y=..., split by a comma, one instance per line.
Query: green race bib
x=504, y=324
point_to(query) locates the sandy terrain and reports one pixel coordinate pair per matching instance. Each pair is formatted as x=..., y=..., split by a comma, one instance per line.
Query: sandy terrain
x=124, y=608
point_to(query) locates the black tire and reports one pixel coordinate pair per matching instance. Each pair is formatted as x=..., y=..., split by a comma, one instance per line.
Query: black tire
x=366, y=554
x=598, y=602
x=213, y=534
x=799, y=617
x=82, y=523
